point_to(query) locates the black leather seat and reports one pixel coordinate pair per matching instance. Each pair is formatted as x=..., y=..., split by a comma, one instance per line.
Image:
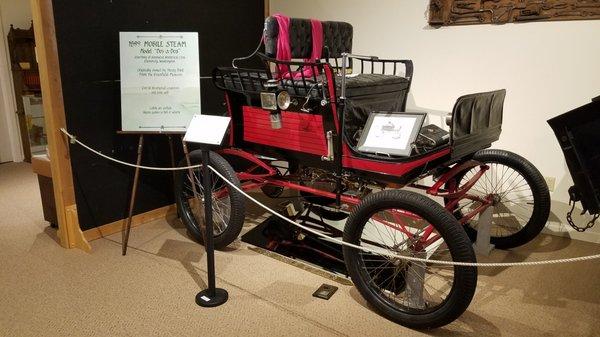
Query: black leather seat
x=337, y=38
x=365, y=93
x=357, y=85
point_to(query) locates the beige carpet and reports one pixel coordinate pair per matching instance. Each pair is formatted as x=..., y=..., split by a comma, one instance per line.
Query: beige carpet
x=46, y=290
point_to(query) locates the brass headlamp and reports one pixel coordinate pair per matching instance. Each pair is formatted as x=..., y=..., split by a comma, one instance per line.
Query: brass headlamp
x=275, y=102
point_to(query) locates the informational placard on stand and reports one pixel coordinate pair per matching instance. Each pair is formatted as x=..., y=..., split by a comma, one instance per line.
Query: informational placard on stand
x=160, y=81
x=207, y=129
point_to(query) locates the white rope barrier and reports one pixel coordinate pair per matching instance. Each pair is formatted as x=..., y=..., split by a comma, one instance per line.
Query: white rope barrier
x=403, y=257
x=331, y=239
x=74, y=140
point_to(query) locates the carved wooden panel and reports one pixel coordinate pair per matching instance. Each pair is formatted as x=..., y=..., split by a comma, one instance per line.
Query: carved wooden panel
x=466, y=12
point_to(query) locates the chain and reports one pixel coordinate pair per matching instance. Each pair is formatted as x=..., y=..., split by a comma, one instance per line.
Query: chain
x=589, y=225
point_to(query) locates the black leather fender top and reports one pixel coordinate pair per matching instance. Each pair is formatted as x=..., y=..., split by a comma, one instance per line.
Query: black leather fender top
x=476, y=122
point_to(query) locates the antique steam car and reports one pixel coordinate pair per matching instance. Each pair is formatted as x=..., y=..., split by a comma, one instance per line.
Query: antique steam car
x=299, y=122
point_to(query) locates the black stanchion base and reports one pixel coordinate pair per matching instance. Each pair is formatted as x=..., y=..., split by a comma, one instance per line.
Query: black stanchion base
x=204, y=300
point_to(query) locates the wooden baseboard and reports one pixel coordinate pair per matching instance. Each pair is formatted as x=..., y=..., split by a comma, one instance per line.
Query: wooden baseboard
x=76, y=237
x=140, y=219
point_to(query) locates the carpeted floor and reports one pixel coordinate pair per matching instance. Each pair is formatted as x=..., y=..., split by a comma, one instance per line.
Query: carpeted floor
x=46, y=290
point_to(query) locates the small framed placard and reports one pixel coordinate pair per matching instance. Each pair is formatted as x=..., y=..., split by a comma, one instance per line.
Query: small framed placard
x=207, y=130
x=391, y=133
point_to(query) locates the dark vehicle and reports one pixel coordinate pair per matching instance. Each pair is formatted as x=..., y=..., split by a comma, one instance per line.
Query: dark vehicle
x=577, y=134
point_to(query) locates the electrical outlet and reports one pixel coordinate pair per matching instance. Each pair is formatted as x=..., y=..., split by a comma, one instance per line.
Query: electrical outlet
x=550, y=181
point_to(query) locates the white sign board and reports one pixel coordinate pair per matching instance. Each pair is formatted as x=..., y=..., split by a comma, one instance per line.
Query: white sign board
x=160, y=80
x=207, y=129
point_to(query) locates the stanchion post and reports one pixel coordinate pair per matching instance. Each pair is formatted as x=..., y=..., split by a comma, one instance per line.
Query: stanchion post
x=212, y=296
x=208, y=132
x=482, y=244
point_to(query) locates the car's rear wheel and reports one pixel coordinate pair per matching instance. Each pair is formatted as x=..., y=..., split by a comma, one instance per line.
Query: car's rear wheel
x=521, y=198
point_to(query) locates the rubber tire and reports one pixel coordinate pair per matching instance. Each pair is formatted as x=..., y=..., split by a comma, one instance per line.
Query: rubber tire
x=465, y=281
x=236, y=218
x=539, y=188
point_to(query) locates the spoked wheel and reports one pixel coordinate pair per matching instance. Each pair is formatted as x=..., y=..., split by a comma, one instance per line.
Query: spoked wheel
x=521, y=201
x=413, y=294
x=227, y=203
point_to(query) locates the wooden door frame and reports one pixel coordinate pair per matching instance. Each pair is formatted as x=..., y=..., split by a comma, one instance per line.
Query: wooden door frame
x=69, y=232
x=267, y=8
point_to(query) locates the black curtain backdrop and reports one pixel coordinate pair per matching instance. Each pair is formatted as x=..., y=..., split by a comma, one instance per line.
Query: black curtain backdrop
x=88, y=46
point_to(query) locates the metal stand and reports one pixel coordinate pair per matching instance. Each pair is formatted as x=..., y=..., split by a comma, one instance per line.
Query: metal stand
x=415, y=283
x=212, y=296
x=482, y=245
x=127, y=225
x=125, y=233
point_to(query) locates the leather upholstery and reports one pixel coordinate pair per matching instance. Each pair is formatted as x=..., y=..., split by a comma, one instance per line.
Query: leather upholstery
x=476, y=121
x=361, y=85
x=337, y=38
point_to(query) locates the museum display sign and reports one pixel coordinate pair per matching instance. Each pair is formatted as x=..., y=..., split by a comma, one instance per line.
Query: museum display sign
x=160, y=80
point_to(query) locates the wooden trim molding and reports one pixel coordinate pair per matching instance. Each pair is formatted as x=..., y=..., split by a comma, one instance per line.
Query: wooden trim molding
x=40, y=165
x=76, y=237
x=137, y=220
x=69, y=233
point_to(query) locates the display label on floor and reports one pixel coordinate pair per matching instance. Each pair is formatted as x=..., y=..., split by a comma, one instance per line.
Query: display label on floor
x=160, y=80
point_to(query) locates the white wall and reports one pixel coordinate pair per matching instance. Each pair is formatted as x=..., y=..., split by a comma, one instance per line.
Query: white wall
x=547, y=68
x=15, y=12
x=18, y=13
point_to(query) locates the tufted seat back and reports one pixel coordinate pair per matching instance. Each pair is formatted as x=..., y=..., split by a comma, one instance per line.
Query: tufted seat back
x=337, y=38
